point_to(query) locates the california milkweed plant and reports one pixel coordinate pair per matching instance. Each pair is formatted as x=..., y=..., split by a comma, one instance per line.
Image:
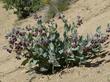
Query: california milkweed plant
x=42, y=45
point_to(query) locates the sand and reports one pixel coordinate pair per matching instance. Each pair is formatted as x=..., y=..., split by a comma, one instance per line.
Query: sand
x=94, y=14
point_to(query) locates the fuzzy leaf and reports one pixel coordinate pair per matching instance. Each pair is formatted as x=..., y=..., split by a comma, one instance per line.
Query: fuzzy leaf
x=25, y=62
x=98, y=29
x=56, y=64
x=61, y=51
x=51, y=45
x=43, y=69
x=34, y=62
x=95, y=50
x=75, y=49
x=45, y=55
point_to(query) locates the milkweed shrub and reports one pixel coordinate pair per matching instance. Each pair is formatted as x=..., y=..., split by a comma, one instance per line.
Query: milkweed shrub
x=42, y=46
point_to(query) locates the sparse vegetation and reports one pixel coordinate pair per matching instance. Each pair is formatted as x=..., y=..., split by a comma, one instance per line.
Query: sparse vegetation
x=23, y=8
x=57, y=6
x=43, y=47
x=62, y=5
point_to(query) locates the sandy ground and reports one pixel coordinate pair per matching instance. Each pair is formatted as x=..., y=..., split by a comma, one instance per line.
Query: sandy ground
x=94, y=13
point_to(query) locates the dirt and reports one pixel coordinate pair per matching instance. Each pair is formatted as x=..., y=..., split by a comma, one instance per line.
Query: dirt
x=94, y=14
